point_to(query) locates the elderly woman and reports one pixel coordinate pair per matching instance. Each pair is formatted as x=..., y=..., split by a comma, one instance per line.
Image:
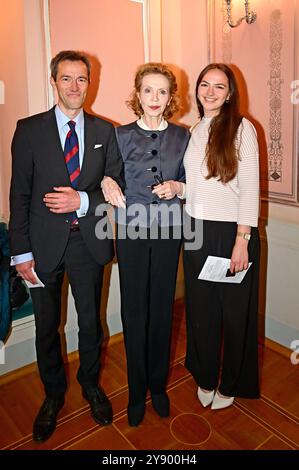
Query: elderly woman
x=149, y=234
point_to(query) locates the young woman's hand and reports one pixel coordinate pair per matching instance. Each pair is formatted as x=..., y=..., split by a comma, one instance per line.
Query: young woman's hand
x=239, y=258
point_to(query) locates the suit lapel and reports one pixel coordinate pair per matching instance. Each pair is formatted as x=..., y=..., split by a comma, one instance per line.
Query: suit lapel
x=89, y=139
x=55, y=153
x=53, y=145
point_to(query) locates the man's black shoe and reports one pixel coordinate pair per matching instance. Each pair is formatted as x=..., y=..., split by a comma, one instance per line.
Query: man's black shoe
x=100, y=406
x=161, y=404
x=45, y=422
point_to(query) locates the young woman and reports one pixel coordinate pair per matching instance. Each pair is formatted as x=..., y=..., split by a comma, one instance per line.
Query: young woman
x=222, y=199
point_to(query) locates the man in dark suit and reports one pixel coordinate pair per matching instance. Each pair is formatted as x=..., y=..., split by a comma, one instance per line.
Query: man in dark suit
x=53, y=229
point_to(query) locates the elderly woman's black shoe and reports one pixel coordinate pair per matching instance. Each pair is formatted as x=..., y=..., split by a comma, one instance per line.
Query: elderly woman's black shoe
x=136, y=414
x=161, y=404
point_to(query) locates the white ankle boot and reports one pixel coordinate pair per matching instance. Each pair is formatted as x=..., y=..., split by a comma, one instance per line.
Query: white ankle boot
x=205, y=398
x=221, y=402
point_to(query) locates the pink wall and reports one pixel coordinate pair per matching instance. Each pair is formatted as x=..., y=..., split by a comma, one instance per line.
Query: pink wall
x=184, y=45
x=13, y=74
x=111, y=31
x=264, y=55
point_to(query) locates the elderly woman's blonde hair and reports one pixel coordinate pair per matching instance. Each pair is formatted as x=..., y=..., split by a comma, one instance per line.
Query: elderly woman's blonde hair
x=161, y=69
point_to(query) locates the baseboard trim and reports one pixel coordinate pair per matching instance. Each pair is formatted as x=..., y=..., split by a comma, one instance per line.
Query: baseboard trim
x=72, y=356
x=18, y=373
x=282, y=350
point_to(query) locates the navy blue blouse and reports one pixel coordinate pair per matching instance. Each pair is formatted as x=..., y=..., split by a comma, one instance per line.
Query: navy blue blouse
x=147, y=153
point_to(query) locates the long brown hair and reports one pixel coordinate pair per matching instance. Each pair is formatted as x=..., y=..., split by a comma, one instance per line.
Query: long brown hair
x=221, y=152
x=161, y=69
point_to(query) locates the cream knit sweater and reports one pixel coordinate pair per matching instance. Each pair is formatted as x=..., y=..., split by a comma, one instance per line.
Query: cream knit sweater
x=209, y=199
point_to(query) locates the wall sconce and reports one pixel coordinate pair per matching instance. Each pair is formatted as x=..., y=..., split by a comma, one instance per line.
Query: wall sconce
x=250, y=16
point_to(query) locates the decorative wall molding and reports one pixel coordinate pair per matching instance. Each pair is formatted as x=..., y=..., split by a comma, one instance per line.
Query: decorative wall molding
x=281, y=161
x=34, y=42
x=275, y=146
x=271, y=74
x=145, y=27
x=281, y=312
x=216, y=13
x=48, y=51
x=155, y=30
x=2, y=92
x=211, y=29
x=226, y=36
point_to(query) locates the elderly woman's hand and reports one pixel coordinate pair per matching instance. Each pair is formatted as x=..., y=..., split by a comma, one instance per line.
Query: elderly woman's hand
x=112, y=192
x=168, y=190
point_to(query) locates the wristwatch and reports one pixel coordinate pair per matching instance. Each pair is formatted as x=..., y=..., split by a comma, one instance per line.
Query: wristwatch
x=247, y=236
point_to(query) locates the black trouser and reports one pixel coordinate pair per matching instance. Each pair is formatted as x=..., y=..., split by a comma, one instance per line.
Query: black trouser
x=148, y=270
x=85, y=277
x=218, y=310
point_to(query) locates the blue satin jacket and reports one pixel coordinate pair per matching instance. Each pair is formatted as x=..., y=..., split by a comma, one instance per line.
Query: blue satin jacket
x=145, y=154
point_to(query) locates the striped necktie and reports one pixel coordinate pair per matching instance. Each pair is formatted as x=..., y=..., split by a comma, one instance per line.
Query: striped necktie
x=71, y=155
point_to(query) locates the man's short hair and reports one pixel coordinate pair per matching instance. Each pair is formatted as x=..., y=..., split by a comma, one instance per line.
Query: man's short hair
x=69, y=55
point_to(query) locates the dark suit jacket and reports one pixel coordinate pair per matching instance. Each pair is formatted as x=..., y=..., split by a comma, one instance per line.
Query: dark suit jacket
x=37, y=166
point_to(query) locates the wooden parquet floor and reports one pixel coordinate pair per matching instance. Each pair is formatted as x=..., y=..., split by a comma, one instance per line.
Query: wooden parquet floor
x=270, y=423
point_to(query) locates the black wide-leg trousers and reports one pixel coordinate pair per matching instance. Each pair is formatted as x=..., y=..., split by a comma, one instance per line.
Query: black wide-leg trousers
x=220, y=311
x=85, y=278
x=148, y=269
